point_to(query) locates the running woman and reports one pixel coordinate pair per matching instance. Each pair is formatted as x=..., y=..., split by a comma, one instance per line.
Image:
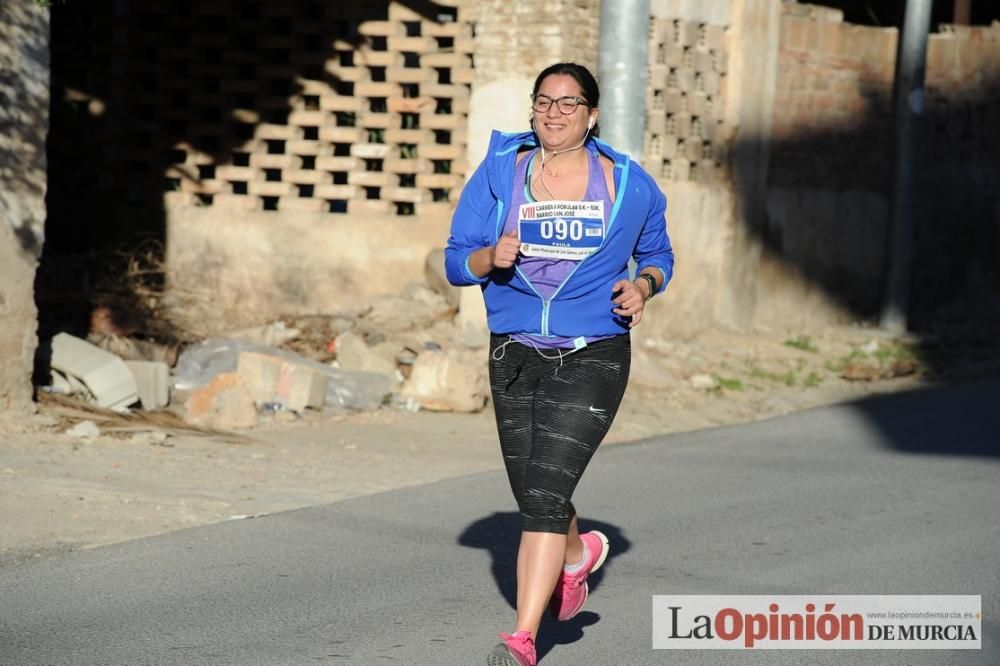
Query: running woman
x=546, y=226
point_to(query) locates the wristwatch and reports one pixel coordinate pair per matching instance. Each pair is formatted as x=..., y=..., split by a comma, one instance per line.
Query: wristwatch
x=652, y=283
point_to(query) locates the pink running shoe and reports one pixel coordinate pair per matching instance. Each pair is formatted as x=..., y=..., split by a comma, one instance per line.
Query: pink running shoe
x=516, y=650
x=572, y=590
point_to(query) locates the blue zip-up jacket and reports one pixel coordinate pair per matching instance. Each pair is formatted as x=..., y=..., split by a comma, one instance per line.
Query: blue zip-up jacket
x=581, y=305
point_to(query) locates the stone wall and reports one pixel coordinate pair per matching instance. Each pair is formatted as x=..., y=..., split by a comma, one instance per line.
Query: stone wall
x=24, y=102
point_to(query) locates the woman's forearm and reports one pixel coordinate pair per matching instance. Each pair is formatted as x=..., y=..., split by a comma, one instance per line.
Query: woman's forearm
x=481, y=261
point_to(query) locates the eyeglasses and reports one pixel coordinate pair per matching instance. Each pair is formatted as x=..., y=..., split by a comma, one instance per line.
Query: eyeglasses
x=566, y=105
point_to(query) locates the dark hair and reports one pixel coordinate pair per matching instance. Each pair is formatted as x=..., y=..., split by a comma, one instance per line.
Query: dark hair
x=582, y=75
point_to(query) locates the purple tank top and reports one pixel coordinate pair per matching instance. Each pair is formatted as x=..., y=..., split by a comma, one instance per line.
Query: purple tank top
x=544, y=274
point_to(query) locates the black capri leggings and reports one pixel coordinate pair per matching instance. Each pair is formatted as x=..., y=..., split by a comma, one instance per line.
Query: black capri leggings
x=551, y=417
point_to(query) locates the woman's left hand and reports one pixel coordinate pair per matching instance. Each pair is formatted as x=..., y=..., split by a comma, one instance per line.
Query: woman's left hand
x=631, y=301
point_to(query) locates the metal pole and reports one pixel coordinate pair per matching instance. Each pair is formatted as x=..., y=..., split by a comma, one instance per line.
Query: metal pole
x=963, y=12
x=623, y=70
x=908, y=98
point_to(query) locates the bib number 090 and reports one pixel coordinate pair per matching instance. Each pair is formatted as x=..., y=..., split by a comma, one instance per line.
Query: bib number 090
x=561, y=230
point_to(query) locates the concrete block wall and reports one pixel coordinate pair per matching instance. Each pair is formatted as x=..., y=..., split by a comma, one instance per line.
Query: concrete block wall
x=24, y=103
x=685, y=137
x=375, y=123
x=686, y=140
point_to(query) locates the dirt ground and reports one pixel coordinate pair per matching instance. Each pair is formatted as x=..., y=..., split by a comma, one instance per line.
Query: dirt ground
x=60, y=492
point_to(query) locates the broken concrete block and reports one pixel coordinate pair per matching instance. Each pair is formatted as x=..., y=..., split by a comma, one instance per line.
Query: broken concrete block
x=105, y=375
x=223, y=403
x=275, y=379
x=452, y=380
x=354, y=354
x=152, y=381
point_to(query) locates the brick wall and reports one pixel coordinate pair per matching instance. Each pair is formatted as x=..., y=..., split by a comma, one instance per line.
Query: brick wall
x=832, y=115
x=832, y=160
x=522, y=38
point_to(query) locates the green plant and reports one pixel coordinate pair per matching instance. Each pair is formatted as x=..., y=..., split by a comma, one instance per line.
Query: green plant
x=787, y=378
x=842, y=362
x=897, y=351
x=813, y=380
x=729, y=383
x=802, y=343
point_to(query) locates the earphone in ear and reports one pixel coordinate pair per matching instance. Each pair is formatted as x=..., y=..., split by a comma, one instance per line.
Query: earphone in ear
x=590, y=124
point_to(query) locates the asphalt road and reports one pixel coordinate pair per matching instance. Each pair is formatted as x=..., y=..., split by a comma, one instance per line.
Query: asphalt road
x=898, y=495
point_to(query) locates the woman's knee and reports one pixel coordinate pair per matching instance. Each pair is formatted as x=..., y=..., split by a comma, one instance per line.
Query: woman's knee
x=543, y=512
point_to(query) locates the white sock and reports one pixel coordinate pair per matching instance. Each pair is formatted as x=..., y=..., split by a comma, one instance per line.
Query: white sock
x=573, y=568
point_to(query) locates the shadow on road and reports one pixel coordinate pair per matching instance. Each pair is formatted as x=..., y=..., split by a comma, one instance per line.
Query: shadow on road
x=957, y=420
x=500, y=534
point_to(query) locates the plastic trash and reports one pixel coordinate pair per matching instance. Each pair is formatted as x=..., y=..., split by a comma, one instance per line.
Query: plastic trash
x=346, y=389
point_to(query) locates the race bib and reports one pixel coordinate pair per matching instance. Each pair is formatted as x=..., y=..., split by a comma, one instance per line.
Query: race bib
x=561, y=229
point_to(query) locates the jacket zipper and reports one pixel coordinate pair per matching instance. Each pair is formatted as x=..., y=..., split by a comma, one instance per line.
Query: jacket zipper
x=611, y=220
x=546, y=303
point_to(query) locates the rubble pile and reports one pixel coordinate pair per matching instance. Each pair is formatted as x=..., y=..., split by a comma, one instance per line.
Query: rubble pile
x=395, y=351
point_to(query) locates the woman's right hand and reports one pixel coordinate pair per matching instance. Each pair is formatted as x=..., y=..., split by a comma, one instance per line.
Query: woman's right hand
x=504, y=253
x=501, y=255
